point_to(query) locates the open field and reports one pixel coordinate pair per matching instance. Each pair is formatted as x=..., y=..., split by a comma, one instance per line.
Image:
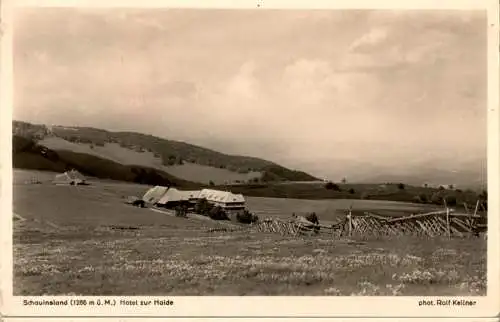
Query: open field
x=329, y=210
x=85, y=240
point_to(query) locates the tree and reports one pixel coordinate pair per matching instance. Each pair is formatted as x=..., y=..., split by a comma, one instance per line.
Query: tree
x=217, y=213
x=344, y=180
x=451, y=187
x=202, y=207
x=451, y=200
x=247, y=217
x=352, y=191
x=401, y=186
x=211, y=183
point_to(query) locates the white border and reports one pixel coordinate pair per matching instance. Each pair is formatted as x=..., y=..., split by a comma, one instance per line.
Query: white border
x=264, y=4
x=487, y=306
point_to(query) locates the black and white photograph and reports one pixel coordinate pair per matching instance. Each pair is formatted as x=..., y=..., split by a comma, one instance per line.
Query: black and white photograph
x=249, y=152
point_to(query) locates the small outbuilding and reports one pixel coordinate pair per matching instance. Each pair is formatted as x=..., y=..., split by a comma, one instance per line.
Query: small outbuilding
x=72, y=177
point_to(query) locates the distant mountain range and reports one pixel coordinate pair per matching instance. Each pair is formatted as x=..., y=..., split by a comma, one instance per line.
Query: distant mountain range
x=467, y=171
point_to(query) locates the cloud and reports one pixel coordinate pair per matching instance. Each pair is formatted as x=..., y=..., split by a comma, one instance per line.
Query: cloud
x=371, y=38
x=243, y=86
x=317, y=86
x=308, y=82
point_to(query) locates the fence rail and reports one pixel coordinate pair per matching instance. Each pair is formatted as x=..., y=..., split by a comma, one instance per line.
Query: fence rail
x=431, y=224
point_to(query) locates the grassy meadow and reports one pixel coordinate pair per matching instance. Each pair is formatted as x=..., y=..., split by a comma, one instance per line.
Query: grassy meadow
x=84, y=240
x=187, y=171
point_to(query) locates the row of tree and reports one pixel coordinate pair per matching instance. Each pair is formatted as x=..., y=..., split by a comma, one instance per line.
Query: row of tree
x=335, y=187
x=205, y=208
x=438, y=198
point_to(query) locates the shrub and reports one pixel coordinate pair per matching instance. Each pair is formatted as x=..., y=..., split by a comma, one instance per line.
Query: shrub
x=247, y=217
x=211, y=183
x=181, y=211
x=451, y=200
x=312, y=217
x=416, y=199
x=217, y=213
x=424, y=198
x=332, y=186
x=436, y=199
x=139, y=203
x=352, y=191
x=168, y=162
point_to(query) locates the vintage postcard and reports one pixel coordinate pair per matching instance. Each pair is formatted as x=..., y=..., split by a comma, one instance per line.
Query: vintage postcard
x=260, y=159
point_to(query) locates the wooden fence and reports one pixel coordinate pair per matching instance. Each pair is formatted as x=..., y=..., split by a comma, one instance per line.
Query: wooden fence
x=432, y=224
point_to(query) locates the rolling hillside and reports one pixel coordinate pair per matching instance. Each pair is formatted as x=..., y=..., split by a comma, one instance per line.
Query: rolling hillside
x=27, y=154
x=182, y=160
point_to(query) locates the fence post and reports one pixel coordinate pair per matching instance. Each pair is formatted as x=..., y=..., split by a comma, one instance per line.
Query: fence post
x=448, y=229
x=473, y=221
x=448, y=221
x=469, y=218
x=349, y=216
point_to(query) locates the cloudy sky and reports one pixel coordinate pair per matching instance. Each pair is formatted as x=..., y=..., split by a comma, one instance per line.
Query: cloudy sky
x=303, y=88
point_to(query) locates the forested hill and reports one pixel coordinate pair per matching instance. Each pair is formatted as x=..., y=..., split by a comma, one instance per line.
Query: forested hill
x=170, y=153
